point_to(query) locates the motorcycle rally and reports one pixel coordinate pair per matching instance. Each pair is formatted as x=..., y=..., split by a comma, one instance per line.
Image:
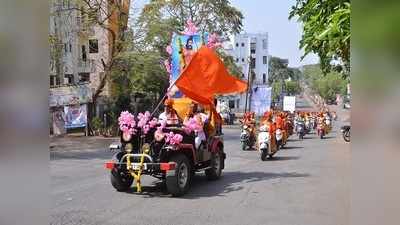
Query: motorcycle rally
x=271, y=132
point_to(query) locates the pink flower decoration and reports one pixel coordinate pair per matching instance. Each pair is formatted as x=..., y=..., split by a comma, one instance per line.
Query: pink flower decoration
x=213, y=41
x=127, y=122
x=192, y=125
x=167, y=65
x=190, y=28
x=169, y=49
x=176, y=139
x=146, y=129
x=153, y=123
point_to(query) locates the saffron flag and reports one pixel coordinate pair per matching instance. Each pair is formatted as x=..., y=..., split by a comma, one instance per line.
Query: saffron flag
x=206, y=76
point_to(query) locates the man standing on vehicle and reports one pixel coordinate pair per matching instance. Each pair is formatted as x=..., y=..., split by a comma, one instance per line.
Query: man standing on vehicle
x=170, y=116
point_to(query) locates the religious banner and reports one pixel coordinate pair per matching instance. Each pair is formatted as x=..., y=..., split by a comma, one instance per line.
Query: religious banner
x=75, y=116
x=261, y=99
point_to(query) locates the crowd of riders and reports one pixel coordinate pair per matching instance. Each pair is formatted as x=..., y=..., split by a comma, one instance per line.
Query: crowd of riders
x=298, y=122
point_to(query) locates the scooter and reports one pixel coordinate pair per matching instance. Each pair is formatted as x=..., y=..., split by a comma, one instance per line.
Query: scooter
x=346, y=133
x=246, y=138
x=264, y=143
x=300, y=129
x=281, y=137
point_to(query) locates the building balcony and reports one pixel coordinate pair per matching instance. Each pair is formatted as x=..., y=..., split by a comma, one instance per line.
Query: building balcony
x=86, y=66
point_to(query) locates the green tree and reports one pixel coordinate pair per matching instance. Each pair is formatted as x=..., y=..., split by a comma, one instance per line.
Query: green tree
x=292, y=87
x=326, y=32
x=160, y=18
x=278, y=69
x=326, y=85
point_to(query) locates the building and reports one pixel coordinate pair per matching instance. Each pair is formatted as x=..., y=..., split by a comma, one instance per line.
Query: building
x=248, y=50
x=78, y=48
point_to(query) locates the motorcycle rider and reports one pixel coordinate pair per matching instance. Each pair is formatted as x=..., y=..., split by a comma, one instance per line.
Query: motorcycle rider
x=271, y=127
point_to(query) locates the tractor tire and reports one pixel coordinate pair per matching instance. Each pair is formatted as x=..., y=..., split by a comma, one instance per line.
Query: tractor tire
x=178, y=184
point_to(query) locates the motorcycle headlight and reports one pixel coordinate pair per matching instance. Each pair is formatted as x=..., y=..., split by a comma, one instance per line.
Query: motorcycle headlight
x=126, y=137
x=263, y=128
x=278, y=131
x=245, y=127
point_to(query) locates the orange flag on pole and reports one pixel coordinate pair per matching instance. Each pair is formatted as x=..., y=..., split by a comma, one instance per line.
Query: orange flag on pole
x=206, y=76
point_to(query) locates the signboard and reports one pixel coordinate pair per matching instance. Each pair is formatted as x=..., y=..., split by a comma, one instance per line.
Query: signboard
x=75, y=116
x=289, y=103
x=70, y=95
x=261, y=99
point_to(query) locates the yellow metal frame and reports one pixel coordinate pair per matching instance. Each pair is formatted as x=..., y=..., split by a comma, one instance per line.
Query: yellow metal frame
x=138, y=174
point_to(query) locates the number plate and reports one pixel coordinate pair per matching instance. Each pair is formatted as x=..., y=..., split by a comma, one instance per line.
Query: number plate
x=136, y=166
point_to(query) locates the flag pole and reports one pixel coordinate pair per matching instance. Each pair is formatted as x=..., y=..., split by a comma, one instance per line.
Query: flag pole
x=165, y=95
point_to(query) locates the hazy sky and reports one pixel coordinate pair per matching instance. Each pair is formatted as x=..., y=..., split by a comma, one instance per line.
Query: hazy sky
x=270, y=16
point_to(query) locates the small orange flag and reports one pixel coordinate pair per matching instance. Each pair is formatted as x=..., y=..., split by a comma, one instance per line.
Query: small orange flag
x=206, y=76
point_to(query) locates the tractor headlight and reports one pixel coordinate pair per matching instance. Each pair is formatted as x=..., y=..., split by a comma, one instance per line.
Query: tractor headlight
x=128, y=147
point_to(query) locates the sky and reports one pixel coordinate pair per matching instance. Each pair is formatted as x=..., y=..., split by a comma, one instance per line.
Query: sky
x=270, y=16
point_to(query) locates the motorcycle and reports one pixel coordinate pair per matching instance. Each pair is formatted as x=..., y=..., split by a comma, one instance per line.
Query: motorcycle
x=300, y=129
x=328, y=124
x=265, y=146
x=307, y=126
x=346, y=133
x=281, y=138
x=246, y=138
x=321, y=130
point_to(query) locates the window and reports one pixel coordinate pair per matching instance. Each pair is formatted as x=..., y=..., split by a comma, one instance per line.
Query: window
x=242, y=75
x=68, y=78
x=70, y=47
x=253, y=63
x=265, y=60
x=237, y=44
x=84, y=77
x=237, y=59
x=237, y=103
x=252, y=48
x=65, y=48
x=242, y=59
x=84, y=56
x=265, y=43
x=54, y=80
x=242, y=44
x=93, y=46
x=264, y=78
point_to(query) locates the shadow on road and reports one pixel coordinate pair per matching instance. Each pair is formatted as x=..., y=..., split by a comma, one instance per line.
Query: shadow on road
x=291, y=147
x=229, y=182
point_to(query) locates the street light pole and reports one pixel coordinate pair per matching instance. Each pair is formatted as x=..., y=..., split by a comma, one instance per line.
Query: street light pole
x=248, y=84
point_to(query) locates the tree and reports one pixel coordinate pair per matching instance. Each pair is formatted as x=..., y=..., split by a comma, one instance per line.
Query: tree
x=326, y=32
x=278, y=69
x=325, y=85
x=160, y=18
x=292, y=87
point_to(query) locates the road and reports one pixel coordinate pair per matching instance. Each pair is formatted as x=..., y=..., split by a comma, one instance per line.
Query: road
x=305, y=184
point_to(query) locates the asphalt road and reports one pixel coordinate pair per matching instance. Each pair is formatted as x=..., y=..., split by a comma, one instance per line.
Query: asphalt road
x=307, y=183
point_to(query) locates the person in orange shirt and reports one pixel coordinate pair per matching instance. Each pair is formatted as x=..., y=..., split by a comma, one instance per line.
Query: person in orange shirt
x=271, y=126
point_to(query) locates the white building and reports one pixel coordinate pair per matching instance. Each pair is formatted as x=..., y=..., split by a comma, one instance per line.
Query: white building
x=249, y=50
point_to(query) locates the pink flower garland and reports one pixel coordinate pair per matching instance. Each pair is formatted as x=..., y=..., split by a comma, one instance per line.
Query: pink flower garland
x=173, y=139
x=127, y=123
x=190, y=28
